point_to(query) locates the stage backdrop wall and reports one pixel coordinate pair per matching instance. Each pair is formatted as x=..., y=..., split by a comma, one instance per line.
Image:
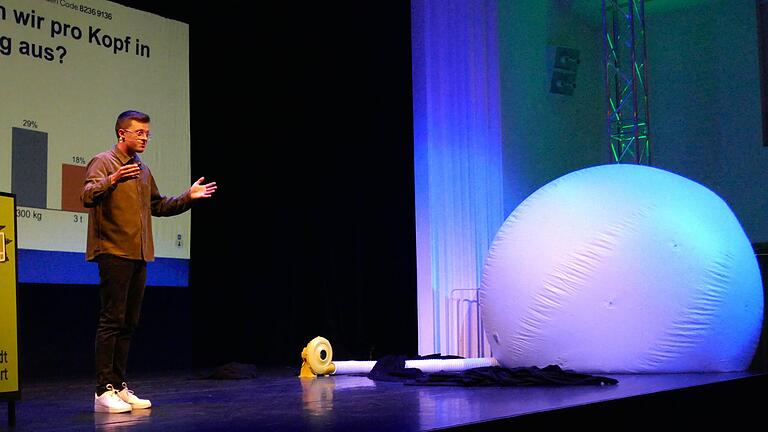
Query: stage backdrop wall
x=312, y=230
x=547, y=135
x=703, y=77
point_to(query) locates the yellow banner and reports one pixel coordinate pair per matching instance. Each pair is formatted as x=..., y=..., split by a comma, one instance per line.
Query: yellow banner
x=9, y=353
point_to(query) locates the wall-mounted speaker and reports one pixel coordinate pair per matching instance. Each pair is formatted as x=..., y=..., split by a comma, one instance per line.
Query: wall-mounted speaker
x=563, y=64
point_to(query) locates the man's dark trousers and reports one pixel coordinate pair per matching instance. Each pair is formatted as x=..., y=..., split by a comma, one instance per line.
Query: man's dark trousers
x=121, y=287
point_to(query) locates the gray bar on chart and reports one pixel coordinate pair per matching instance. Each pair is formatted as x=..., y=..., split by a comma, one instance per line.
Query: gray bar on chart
x=29, y=169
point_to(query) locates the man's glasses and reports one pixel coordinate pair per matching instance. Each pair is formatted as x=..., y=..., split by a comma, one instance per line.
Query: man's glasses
x=141, y=133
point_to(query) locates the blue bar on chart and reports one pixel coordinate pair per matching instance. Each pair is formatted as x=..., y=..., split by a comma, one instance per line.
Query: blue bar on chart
x=29, y=169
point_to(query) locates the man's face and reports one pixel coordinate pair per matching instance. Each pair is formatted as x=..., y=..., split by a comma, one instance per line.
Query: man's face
x=135, y=136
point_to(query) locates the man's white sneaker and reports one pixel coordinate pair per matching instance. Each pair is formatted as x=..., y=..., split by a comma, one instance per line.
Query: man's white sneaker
x=136, y=403
x=110, y=402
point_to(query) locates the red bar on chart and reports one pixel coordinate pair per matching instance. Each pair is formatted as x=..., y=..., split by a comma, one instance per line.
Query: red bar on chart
x=72, y=179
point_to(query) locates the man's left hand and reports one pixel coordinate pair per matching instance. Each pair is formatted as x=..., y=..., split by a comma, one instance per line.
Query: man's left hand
x=199, y=190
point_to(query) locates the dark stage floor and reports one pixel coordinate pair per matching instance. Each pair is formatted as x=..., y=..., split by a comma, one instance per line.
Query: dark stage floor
x=279, y=401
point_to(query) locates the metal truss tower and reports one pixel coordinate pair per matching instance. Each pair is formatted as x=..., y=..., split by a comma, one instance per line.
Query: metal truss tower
x=626, y=86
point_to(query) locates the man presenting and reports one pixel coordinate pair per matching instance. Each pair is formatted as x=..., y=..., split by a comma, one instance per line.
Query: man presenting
x=121, y=195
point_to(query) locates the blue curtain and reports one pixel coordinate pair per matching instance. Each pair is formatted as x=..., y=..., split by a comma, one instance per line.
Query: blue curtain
x=458, y=164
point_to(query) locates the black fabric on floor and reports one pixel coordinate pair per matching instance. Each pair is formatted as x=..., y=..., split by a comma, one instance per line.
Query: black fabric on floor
x=392, y=368
x=551, y=375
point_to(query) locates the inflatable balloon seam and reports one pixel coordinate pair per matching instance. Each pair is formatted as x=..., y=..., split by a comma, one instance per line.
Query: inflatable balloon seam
x=569, y=278
x=687, y=332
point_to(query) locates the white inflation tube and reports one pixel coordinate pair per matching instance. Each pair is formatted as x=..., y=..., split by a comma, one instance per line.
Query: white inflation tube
x=353, y=367
x=317, y=359
x=428, y=365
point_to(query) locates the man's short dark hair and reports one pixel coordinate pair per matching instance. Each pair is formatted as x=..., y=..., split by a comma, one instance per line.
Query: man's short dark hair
x=127, y=116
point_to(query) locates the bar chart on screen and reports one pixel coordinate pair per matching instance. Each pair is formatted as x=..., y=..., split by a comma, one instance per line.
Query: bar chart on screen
x=47, y=181
x=30, y=172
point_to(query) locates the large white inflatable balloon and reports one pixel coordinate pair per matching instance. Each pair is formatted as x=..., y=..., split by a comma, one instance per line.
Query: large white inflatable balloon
x=623, y=268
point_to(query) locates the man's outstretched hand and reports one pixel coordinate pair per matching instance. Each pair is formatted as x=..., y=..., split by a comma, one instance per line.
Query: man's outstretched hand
x=198, y=190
